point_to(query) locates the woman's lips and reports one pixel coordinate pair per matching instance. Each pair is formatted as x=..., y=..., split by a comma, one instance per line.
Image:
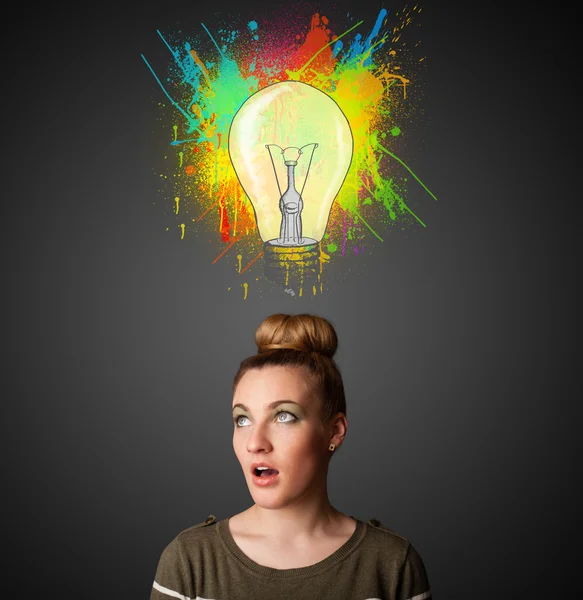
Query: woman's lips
x=263, y=480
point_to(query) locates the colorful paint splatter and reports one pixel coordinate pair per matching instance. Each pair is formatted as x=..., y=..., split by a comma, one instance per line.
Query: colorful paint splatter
x=366, y=68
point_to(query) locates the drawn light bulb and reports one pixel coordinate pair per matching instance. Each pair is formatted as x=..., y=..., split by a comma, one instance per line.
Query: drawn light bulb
x=291, y=147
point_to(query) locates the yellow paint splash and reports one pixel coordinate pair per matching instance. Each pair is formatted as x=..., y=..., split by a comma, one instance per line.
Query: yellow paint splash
x=177, y=203
x=182, y=228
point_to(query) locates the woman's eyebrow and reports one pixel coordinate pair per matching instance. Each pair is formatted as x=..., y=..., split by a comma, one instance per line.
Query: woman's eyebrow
x=270, y=405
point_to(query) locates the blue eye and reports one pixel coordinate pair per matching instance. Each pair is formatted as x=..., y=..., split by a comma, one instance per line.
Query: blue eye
x=276, y=416
x=285, y=412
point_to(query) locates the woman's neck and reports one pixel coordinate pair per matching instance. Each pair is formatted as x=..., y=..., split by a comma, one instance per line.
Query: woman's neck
x=295, y=525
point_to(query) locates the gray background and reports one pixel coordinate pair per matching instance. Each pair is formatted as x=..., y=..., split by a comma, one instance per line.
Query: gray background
x=121, y=340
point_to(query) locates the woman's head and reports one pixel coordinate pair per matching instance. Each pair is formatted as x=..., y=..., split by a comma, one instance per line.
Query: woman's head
x=294, y=364
x=307, y=341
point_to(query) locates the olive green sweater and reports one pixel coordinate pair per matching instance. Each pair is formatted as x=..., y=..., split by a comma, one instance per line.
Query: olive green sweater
x=203, y=562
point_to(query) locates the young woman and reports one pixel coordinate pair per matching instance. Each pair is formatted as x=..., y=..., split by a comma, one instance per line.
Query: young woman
x=289, y=414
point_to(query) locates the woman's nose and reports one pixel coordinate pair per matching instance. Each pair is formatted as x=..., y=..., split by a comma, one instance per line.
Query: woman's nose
x=258, y=440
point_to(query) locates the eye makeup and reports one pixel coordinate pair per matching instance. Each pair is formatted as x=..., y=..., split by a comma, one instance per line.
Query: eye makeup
x=238, y=415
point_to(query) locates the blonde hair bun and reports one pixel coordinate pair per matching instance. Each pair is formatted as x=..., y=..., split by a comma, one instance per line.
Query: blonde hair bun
x=305, y=333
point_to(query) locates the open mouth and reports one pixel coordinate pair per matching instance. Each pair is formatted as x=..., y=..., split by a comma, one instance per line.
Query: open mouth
x=265, y=472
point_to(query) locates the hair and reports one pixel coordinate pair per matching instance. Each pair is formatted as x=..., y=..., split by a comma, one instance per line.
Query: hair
x=306, y=341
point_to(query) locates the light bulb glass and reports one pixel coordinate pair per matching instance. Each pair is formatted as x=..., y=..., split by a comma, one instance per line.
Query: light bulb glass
x=291, y=137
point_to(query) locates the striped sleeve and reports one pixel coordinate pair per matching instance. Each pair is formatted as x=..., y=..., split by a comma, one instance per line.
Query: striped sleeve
x=172, y=579
x=414, y=583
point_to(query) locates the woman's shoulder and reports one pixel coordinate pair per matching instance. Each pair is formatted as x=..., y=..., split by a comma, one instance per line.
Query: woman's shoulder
x=409, y=557
x=388, y=532
x=210, y=520
x=194, y=531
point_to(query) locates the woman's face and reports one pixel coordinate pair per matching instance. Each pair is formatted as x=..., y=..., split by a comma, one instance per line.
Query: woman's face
x=289, y=436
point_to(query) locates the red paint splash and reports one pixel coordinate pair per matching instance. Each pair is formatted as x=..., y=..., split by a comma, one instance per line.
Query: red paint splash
x=316, y=38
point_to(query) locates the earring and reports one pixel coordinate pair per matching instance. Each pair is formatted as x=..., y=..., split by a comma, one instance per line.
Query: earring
x=331, y=447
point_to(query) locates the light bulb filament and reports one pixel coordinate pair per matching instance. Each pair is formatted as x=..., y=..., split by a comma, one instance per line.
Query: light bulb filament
x=291, y=202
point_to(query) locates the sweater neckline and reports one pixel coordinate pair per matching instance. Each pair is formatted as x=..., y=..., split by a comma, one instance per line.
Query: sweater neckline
x=226, y=537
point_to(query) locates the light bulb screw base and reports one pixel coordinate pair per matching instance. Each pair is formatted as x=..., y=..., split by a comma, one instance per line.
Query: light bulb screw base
x=293, y=266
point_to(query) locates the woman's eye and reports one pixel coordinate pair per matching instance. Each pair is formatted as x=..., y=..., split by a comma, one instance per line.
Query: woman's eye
x=282, y=412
